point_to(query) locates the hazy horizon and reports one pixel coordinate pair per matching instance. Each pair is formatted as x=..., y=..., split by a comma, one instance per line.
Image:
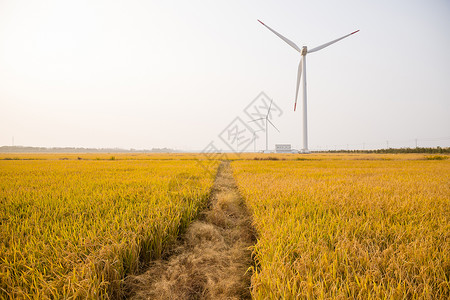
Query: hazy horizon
x=154, y=74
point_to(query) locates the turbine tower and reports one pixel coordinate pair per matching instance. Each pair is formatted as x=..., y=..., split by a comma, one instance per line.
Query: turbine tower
x=267, y=122
x=302, y=69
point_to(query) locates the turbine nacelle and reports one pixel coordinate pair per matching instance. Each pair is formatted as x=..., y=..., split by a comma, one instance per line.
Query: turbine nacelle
x=304, y=51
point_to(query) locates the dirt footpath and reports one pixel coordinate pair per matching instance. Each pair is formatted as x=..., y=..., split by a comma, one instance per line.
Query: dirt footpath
x=211, y=259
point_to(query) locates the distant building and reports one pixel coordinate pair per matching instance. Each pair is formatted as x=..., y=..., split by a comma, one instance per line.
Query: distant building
x=283, y=148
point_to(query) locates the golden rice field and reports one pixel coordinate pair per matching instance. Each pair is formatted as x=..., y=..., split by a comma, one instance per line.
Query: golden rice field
x=349, y=226
x=73, y=228
x=368, y=226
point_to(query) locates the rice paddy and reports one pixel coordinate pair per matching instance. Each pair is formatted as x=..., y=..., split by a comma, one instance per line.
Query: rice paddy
x=346, y=228
x=75, y=228
x=327, y=225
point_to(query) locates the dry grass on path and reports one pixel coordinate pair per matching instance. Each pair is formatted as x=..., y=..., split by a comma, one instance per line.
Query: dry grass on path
x=211, y=260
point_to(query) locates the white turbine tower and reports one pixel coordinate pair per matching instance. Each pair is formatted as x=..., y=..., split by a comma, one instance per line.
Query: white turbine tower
x=267, y=122
x=302, y=68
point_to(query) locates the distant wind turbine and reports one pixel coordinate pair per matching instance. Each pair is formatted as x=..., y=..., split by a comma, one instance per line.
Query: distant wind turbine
x=267, y=121
x=302, y=68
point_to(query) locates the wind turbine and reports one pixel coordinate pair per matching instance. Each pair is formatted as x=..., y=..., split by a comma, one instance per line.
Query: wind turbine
x=302, y=68
x=267, y=122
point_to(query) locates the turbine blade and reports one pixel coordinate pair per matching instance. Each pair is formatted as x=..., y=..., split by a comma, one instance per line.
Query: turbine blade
x=330, y=43
x=270, y=106
x=272, y=125
x=290, y=43
x=299, y=76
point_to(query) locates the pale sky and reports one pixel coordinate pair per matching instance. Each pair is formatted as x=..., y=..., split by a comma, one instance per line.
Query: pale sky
x=144, y=74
